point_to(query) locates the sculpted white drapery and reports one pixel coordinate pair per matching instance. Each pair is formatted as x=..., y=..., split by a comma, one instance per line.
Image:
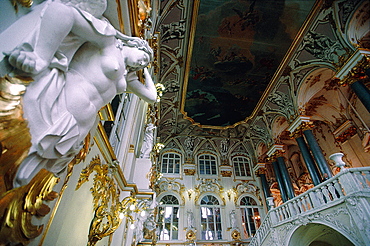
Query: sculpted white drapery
x=78, y=65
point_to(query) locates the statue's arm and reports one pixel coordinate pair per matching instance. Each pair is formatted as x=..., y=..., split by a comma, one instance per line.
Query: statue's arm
x=57, y=22
x=146, y=91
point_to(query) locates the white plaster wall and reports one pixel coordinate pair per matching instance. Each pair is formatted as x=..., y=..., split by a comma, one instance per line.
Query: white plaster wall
x=71, y=223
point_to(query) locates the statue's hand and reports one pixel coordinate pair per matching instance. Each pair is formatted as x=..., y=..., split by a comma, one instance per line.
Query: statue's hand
x=24, y=58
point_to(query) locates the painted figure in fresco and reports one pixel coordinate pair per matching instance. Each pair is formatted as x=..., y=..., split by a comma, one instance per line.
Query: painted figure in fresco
x=78, y=62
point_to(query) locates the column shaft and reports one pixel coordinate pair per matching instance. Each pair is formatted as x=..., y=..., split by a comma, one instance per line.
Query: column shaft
x=280, y=181
x=362, y=92
x=317, y=154
x=265, y=186
x=310, y=164
x=286, y=177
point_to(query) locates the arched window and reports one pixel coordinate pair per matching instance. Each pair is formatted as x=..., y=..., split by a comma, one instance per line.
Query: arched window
x=170, y=163
x=207, y=164
x=241, y=166
x=210, y=213
x=168, y=218
x=250, y=216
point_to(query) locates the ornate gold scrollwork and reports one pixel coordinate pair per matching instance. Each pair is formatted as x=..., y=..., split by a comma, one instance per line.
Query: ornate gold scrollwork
x=106, y=201
x=17, y=206
x=357, y=73
x=191, y=235
x=235, y=235
x=23, y=3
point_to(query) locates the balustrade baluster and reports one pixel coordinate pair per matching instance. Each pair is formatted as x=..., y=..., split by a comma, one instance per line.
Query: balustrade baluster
x=314, y=198
x=291, y=209
x=360, y=177
x=285, y=212
x=332, y=191
x=326, y=193
x=308, y=202
x=304, y=208
x=367, y=176
x=297, y=208
x=338, y=188
x=320, y=196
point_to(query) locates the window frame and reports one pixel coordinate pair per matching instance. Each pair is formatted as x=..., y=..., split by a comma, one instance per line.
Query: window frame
x=247, y=164
x=253, y=220
x=215, y=221
x=216, y=164
x=174, y=164
x=162, y=225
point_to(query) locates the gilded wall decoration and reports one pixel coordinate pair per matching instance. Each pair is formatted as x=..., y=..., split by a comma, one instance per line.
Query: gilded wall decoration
x=23, y=3
x=106, y=201
x=226, y=173
x=19, y=205
x=169, y=185
x=189, y=171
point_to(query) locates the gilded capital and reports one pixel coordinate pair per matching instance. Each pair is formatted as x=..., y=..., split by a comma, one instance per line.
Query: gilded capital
x=357, y=72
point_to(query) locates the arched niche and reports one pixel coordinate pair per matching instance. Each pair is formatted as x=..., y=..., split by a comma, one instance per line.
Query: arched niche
x=279, y=125
x=358, y=31
x=261, y=151
x=312, y=84
x=321, y=98
x=314, y=234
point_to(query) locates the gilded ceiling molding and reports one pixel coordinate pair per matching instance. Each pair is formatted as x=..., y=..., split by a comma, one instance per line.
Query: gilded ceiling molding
x=300, y=124
x=345, y=132
x=154, y=44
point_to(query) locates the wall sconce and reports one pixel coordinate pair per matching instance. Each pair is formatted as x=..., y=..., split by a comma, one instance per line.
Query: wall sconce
x=256, y=217
x=130, y=205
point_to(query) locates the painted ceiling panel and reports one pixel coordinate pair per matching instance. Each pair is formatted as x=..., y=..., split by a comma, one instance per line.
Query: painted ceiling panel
x=238, y=46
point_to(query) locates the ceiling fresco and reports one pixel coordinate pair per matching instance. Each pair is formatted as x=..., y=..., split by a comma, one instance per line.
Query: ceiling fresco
x=237, y=47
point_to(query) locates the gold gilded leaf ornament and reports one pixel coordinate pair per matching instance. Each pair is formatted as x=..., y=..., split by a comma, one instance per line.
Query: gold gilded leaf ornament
x=18, y=205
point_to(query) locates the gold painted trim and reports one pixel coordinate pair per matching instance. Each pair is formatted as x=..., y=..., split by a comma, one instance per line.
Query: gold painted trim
x=134, y=13
x=120, y=18
x=273, y=83
x=108, y=146
x=106, y=113
x=193, y=22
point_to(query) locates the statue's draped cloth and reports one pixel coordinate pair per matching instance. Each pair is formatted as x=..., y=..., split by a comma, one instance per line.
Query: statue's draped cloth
x=55, y=135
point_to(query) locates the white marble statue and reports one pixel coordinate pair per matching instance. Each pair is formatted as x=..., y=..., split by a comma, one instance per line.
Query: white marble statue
x=233, y=219
x=78, y=62
x=148, y=141
x=190, y=216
